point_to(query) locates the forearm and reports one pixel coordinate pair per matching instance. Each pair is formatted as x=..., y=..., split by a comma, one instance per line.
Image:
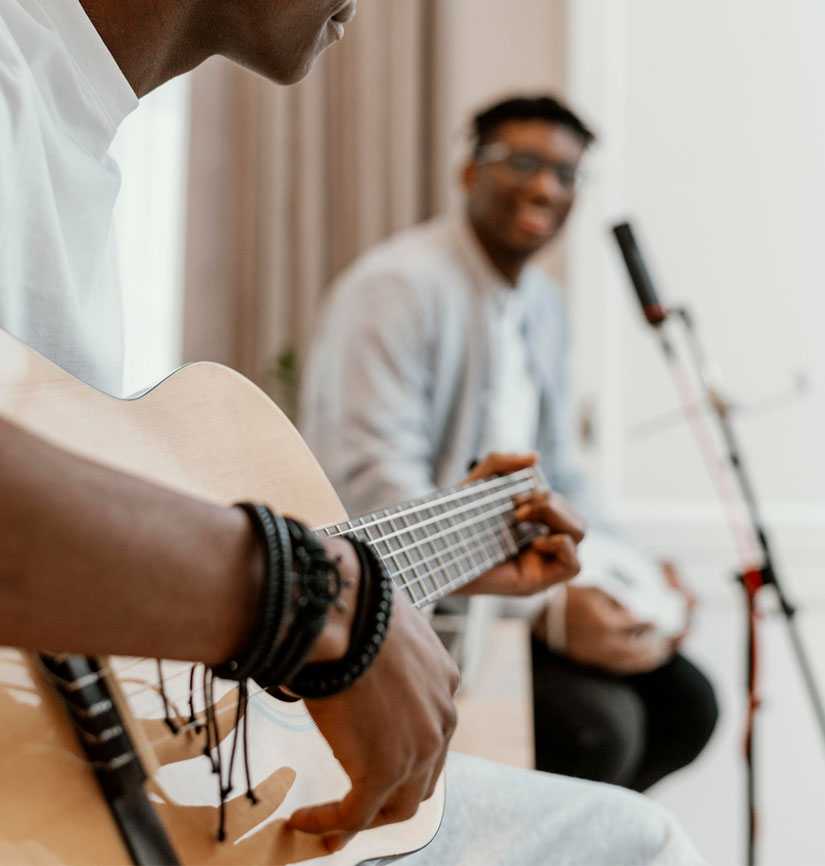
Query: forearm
x=95, y=561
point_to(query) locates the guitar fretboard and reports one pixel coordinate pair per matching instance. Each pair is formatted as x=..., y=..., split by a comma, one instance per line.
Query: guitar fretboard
x=440, y=542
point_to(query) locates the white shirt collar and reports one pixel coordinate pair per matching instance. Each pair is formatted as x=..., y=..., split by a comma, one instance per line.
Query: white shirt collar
x=95, y=62
x=509, y=299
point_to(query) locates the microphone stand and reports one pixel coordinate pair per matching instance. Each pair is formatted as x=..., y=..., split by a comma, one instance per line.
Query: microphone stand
x=761, y=572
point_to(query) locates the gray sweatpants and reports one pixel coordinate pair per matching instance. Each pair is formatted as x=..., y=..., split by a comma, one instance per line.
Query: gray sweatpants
x=503, y=816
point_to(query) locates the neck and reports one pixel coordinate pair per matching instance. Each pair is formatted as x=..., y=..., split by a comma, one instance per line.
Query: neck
x=151, y=43
x=435, y=545
x=507, y=264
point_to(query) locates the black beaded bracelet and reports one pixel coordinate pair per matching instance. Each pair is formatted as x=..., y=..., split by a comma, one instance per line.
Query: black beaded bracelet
x=316, y=586
x=370, y=625
x=273, y=535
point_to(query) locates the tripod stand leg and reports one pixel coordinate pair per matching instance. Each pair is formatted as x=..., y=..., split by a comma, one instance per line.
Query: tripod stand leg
x=805, y=668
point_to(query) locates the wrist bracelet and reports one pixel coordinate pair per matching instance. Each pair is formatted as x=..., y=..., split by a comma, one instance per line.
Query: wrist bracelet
x=273, y=537
x=370, y=625
x=316, y=585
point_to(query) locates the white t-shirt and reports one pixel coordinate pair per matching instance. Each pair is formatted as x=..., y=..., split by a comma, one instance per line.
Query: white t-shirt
x=62, y=97
x=514, y=400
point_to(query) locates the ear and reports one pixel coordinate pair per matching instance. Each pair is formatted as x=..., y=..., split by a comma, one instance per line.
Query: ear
x=469, y=176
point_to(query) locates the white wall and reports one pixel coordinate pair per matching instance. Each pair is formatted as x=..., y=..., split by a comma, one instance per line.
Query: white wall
x=712, y=135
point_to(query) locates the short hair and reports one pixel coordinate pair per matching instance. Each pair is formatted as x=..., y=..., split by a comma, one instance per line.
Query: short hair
x=547, y=108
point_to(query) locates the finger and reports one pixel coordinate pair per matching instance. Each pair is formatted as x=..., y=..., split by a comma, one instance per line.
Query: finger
x=501, y=464
x=404, y=804
x=438, y=771
x=345, y=817
x=670, y=572
x=554, y=512
x=453, y=679
x=560, y=548
x=639, y=629
x=337, y=841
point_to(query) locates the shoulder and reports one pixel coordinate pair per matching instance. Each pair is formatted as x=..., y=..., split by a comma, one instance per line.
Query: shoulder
x=413, y=268
x=18, y=90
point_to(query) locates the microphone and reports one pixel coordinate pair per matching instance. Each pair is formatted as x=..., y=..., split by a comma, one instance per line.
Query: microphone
x=653, y=311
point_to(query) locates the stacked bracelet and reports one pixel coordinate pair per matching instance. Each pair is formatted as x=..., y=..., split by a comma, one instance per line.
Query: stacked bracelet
x=300, y=583
x=316, y=586
x=369, y=630
x=273, y=537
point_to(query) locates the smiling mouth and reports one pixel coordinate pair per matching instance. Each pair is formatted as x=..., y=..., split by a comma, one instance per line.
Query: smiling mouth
x=536, y=220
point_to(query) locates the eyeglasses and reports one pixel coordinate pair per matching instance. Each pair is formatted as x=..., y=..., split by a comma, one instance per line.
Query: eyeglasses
x=526, y=164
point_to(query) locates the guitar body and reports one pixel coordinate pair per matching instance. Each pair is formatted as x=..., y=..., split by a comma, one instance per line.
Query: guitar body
x=207, y=432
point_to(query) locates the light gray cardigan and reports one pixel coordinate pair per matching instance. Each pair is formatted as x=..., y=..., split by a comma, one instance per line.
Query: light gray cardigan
x=395, y=392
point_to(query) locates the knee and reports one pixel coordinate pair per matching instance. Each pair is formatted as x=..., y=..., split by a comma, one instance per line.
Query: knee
x=636, y=830
x=613, y=740
x=602, y=742
x=700, y=717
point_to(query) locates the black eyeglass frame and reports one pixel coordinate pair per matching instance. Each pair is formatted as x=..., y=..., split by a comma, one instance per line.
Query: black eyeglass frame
x=567, y=174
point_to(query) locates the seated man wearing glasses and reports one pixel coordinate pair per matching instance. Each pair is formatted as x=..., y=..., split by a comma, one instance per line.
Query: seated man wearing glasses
x=445, y=342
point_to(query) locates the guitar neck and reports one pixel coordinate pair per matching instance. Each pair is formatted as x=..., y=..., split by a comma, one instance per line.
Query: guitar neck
x=433, y=545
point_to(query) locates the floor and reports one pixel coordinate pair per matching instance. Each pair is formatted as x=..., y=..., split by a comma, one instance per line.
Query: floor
x=709, y=796
x=495, y=715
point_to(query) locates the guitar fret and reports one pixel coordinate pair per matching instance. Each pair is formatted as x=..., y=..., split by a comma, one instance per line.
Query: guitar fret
x=419, y=576
x=468, y=553
x=483, y=559
x=402, y=563
x=437, y=544
x=404, y=549
x=434, y=544
x=501, y=543
x=487, y=538
x=454, y=572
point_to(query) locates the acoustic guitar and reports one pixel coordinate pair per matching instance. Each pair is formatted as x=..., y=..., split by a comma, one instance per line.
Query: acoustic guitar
x=99, y=764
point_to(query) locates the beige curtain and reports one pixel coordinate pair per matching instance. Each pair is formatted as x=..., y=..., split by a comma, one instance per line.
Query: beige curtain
x=288, y=185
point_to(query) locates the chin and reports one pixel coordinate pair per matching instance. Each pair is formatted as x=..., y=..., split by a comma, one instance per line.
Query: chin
x=526, y=247
x=297, y=67
x=292, y=75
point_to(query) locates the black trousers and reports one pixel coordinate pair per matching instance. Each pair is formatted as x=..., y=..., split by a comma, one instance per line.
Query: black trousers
x=628, y=730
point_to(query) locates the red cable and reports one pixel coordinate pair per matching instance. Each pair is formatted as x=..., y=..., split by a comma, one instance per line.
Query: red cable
x=747, y=544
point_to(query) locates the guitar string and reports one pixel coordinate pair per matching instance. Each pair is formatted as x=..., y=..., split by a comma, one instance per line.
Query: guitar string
x=470, y=575
x=417, y=544
x=499, y=510
x=504, y=496
x=489, y=535
x=399, y=571
x=473, y=489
